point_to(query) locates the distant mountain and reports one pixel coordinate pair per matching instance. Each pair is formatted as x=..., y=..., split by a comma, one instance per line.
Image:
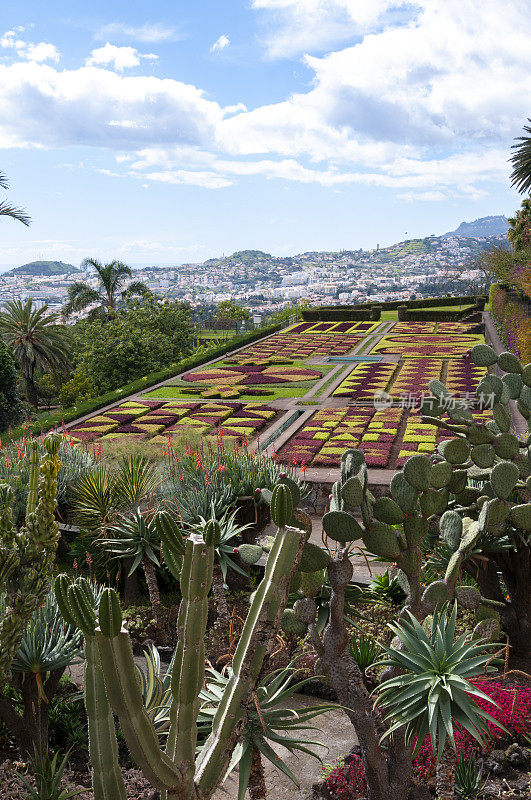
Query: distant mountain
x=44, y=268
x=481, y=228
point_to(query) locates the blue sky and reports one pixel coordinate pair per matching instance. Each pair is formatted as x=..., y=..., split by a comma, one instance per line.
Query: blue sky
x=174, y=131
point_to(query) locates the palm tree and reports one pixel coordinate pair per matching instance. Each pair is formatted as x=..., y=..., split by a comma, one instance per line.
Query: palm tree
x=111, y=279
x=7, y=210
x=35, y=340
x=521, y=162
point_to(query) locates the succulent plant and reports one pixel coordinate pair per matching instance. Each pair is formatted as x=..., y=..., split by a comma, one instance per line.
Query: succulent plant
x=27, y=555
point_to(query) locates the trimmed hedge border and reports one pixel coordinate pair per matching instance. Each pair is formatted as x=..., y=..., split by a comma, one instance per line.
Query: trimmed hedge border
x=50, y=420
x=372, y=311
x=429, y=302
x=436, y=315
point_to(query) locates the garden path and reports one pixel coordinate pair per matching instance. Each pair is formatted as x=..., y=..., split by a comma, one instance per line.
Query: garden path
x=334, y=729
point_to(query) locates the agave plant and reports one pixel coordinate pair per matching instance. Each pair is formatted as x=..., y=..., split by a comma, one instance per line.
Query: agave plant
x=156, y=689
x=433, y=691
x=271, y=721
x=136, y=538
x=223, y=559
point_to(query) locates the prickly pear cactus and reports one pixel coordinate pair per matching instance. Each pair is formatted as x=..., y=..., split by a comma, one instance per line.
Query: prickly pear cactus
x=490, y=490
x=27, y=556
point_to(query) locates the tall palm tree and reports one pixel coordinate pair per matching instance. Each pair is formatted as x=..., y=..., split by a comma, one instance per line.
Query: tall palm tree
x=7, y=210
x=521, y=162
x=111, y=278
x=35, y=339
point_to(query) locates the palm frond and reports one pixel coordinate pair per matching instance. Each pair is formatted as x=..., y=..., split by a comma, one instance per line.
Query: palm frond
x=7, y=210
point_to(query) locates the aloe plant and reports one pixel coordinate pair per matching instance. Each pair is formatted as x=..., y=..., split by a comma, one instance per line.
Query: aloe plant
x=136, y=538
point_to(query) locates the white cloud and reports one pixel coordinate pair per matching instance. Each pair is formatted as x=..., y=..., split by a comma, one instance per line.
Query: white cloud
x=298, y=26
x=149, y=32
x=32, y=52
x=45, y=107
x=220, y=44
x=119, y=57
x=425, y=106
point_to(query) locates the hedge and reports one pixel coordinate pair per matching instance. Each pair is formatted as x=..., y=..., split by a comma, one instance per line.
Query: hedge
x=438, y=315
x=55, y=418
x=372, y=311
x=428, y=302
x=340, y=314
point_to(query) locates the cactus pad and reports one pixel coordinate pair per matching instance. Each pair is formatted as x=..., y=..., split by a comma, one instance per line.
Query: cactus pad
x=250, y=553
x=435, y=593
x=506, y=446
x=482, y=355
x=451, y=527
x=352, y=492
x=468, y=597
x=311, y=582
x=386, y=510
x=405, y=495
x=441, y=474
x=417, y=472
x=290, y=623
x=508, y=362
x=503, y=479
x=483, y=455
x=313, y=558
x=341, y=527
x=381, y=540
x=456, y=451
x=521, y=516
x=416, y=529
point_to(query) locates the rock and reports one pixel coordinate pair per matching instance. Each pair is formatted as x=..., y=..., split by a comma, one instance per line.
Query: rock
x=496, y=762
x=516, y=756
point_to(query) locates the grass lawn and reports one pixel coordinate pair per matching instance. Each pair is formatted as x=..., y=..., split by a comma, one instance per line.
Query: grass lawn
x=276, y=393
x=389, y=316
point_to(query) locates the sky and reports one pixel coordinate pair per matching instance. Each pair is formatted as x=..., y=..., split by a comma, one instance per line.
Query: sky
x=173, y=131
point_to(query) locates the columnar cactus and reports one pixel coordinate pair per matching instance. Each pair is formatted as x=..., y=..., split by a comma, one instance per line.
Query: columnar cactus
x=27, y=555
x=176, y=771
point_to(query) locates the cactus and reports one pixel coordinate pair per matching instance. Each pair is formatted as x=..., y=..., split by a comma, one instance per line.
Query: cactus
x=112, y=685
x=27, y=556
x=313, y=558
x=500, y=506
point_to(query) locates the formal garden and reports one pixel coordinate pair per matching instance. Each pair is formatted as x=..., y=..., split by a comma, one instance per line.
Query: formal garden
x=304, y=555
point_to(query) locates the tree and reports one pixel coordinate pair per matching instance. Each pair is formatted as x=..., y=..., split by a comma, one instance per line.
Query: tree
x=521, y=162
x=111, y=278
x=10, y=406
x=116, y=352
x=230, y=312
x=7, y=210
x=35, y=339
x=519, y=233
